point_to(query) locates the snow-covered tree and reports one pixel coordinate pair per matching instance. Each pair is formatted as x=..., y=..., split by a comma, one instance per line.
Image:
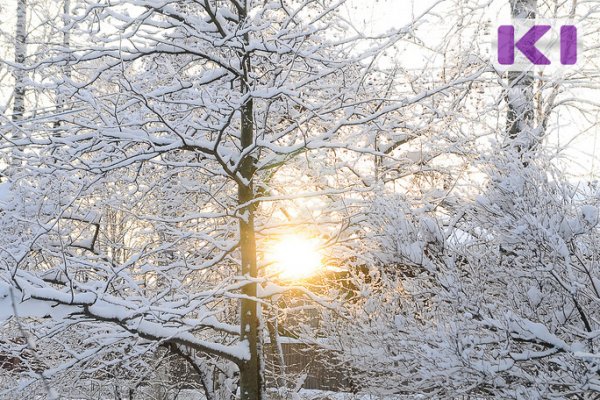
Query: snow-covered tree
x=197, y=131
x=170, y=145
x=488, y=289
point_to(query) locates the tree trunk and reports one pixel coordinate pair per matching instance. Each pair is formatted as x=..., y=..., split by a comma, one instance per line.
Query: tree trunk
x=67, y=35
x=60, y=97
x=251, y=376
x=19, y=90
x=20, y=52
x=251, y=384
x=520, y=115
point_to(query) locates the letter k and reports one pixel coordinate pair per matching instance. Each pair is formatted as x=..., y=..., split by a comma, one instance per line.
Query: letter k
x=506, y=44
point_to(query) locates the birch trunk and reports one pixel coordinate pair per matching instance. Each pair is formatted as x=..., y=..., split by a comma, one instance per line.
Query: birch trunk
x=60, y=97
x=20, y=53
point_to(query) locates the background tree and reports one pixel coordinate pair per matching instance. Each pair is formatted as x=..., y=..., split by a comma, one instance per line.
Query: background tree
x=20, y=54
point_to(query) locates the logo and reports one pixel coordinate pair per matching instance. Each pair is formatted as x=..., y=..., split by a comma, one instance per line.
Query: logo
x=527, y=44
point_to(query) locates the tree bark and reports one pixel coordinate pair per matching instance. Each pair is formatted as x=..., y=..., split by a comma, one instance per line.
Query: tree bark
x=520, y=116
x=20, y=53
x=251, y=382
x=60, y=97
x=251, y=376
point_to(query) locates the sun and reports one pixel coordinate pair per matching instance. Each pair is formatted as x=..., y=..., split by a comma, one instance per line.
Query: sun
x=295, y=257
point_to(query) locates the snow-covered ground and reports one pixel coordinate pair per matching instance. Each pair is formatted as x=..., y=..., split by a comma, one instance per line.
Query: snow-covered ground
x=304, y=394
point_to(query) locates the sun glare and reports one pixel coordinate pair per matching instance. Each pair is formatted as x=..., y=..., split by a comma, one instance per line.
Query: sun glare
x=295, y=257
